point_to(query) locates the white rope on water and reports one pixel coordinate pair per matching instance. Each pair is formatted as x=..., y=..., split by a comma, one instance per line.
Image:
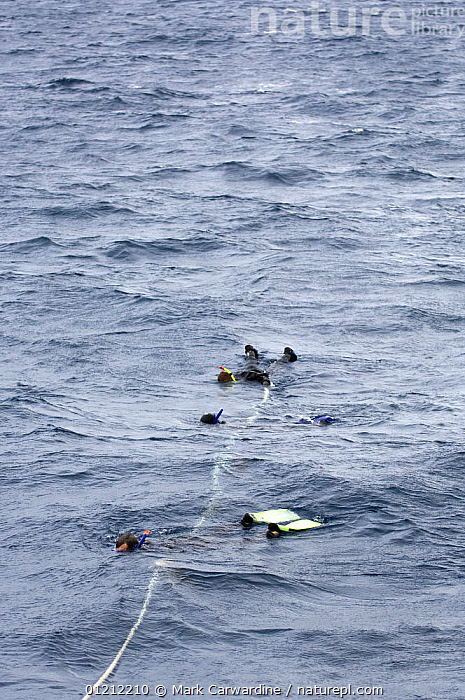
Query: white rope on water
x=216, y=493
x=131, y=634
x=266, y=396
x=221, y=462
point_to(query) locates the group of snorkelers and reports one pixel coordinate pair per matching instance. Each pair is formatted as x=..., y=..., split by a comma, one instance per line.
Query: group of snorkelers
x=254, y=373
x=278, y=520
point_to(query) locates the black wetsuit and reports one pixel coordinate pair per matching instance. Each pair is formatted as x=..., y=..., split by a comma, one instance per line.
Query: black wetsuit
x=253, y=373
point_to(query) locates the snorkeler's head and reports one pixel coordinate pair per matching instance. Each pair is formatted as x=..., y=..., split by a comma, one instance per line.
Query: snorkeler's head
x=211, y=418
x=224, y=377
x=290, y=354
x=247, y=520
x=208, y=418
x=273, y=530
x=126, y=542
x=251, y=351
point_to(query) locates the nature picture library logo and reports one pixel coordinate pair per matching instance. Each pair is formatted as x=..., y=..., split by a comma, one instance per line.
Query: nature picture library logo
x=442, y=21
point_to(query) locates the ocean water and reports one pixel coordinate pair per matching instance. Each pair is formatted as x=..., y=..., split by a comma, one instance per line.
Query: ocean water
x=174, y=187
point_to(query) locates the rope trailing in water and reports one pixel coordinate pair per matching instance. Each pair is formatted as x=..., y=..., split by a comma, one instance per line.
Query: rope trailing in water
x=266, y=396
x=131, y=634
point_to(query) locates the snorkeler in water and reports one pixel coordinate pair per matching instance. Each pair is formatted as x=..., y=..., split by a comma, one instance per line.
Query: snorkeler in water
x=276, y=521
x=212, y=418
x=252, y=372
x=275, y=529
x=323, y=419
x=129, y=542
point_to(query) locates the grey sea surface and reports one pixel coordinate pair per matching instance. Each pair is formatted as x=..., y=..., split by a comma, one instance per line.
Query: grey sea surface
x=174, y=187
